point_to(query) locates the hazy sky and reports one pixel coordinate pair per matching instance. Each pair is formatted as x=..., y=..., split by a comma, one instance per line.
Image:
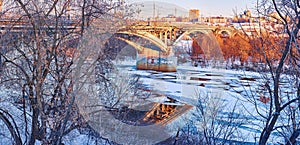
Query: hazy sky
x=208, y=7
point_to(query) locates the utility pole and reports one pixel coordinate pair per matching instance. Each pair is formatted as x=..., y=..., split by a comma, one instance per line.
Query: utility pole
x=153, y=10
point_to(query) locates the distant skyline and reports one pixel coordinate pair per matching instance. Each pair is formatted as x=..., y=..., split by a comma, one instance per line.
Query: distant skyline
x=206, y=7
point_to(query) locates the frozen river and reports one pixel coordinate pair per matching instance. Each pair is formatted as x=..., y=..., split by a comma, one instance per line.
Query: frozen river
x=235, y=88
x=188, y=80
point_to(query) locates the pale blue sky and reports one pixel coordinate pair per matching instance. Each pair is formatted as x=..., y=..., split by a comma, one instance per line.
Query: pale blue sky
x=208, y=7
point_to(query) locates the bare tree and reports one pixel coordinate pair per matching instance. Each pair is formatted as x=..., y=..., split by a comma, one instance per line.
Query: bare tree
x=38, y=50
x=283, y=103
x=213, y=121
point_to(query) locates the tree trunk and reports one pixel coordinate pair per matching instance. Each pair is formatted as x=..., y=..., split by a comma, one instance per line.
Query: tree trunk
x=267, y=130
x=294, y=136
x=11, y=129
x=176, y=137
x=34, y=126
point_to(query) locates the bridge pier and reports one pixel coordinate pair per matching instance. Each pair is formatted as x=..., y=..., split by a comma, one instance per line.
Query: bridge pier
x=150, y=59
x=175, y=33
x=170, y=33
x=166, y=37
x=161, y=35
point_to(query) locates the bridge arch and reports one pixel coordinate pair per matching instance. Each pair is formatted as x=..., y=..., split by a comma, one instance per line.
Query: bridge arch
x=159, y=45
x=206, y=40
x=140, y=41
x=223, y=33
x=152, y=53
x=188, y=32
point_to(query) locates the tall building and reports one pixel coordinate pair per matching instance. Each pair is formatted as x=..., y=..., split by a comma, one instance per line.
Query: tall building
x=194, y=15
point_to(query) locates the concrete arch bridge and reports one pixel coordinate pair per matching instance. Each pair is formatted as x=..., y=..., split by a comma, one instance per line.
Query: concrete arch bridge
x=155, y=43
